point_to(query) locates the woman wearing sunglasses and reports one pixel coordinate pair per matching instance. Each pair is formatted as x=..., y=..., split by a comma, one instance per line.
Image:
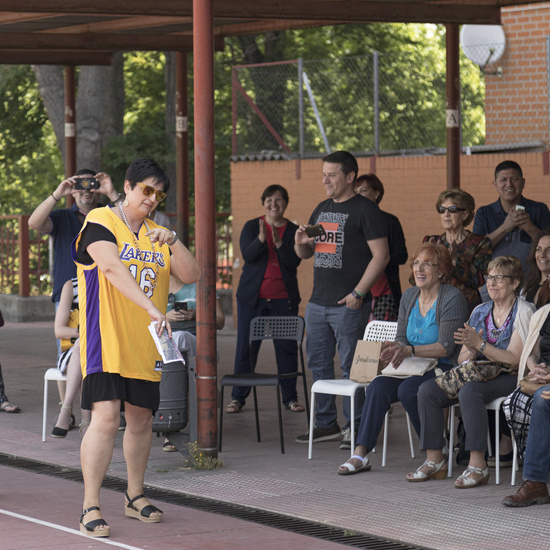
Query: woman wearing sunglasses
x=124, y=262
x=470, y=253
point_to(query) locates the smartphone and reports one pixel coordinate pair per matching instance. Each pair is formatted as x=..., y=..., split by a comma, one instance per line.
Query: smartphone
x=180, y=306
x=519, y=207
x=86, y=182
x=315, y=230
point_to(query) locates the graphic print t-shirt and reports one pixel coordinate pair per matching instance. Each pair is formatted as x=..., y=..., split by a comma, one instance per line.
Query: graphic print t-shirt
x=342, y=255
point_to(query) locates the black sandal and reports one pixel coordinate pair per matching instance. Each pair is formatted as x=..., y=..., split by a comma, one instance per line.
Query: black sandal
x=90, y=527
x=144, y=514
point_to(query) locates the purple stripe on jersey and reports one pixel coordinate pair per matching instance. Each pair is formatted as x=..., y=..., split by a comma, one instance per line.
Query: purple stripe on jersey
x=94, y=362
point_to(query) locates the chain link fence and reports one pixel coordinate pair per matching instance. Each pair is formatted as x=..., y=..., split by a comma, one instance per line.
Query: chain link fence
x=377, y=103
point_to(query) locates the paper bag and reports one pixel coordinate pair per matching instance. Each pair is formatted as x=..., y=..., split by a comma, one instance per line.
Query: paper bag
x=366, y=363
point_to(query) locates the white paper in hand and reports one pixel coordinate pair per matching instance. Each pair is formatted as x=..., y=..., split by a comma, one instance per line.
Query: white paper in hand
x=165, y=345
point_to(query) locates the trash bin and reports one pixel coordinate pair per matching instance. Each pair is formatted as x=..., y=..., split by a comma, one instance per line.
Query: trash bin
x=173, y=413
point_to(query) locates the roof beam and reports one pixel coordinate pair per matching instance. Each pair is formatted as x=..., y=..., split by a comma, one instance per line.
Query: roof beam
x=124, y=24
x=97, y=42
x=351, y=11
x=53, y=57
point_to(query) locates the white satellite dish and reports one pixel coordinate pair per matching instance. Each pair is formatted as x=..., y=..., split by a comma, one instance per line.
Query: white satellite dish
x=483, y=44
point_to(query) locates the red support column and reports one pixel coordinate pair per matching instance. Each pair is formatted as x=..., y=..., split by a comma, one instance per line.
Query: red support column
x=70, y=126
x=453, y=108
x=182, y=148
x=205, y=228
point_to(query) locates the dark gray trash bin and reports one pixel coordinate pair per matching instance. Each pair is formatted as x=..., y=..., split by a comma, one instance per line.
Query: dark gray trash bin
x=173, y=413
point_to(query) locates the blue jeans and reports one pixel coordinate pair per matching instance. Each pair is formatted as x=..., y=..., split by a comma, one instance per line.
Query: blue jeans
x=286, y=351
x=327, y=327
x=537, y=452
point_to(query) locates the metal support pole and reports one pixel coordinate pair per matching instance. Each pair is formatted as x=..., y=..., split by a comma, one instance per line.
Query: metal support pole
x=301, y=107
x=548, y=84
x=205, y=227
x=70, y=127
x=376, y=101
x=453, y=107
x=182, y=148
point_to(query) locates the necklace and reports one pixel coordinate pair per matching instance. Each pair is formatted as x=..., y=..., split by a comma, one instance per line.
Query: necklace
x=138, y=250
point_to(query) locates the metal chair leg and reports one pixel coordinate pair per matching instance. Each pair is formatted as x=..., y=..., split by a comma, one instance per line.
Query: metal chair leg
x=281, y=437
x=221, y=422
x=257, y=415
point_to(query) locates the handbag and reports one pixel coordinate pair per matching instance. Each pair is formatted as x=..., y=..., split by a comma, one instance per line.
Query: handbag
x=411, y=366
x=469, y=371
x=529, y=387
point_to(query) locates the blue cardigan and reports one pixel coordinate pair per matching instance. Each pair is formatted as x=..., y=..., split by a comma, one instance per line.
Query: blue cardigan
x=256, y=255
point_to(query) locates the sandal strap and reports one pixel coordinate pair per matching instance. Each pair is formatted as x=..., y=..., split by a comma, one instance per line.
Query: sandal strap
x=471, y=470
x=131, y=501
x=88, y=510
x=357, y=457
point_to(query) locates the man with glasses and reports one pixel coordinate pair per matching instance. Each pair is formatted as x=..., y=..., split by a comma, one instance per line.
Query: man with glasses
x=512, y=221
x=349, y=257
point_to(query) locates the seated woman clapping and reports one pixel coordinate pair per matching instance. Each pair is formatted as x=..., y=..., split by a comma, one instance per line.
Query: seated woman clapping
x=496, y=332
x=429, y=314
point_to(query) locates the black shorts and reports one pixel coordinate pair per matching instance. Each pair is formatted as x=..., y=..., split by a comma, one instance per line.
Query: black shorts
x=104, y=386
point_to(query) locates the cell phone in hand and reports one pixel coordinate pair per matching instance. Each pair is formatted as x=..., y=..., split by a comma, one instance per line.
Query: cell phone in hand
x=85, y=183
x=180, y=306
x=315, y=231
x=520, y=207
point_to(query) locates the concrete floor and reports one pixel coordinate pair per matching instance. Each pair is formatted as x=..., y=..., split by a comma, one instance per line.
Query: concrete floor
x=379, y=502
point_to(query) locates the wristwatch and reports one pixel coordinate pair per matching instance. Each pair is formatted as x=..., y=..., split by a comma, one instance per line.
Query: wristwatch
x=482, y=347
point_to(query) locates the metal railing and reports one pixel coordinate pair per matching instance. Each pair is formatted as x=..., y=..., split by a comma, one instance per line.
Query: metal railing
x=25, y=256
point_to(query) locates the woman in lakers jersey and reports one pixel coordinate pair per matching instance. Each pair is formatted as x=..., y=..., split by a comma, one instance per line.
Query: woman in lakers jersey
x=124, y=261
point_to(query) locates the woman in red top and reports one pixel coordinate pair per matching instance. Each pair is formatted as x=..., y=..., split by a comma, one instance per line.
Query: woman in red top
x=268, y=286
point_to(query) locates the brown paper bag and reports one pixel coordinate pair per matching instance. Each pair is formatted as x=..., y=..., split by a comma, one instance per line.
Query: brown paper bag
x=366, y=361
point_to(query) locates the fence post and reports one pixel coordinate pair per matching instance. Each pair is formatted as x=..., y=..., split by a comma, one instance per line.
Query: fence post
x=301, y=106
x=376, y=102
x=23, y=244
x=548, y=81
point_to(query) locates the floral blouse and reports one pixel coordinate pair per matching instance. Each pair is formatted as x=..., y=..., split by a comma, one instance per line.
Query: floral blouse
x=470, y=259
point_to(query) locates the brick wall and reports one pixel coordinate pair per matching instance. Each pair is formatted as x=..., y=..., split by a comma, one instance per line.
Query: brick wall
x=516, y=105
x=412, y=186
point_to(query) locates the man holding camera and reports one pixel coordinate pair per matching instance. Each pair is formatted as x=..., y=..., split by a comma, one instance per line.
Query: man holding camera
x=64, y=224
x=349, y=257
x=512, y=221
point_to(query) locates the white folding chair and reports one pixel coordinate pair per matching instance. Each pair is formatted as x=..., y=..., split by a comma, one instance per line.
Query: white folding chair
x=50, y=374
x=376, y=331
x=492, y=406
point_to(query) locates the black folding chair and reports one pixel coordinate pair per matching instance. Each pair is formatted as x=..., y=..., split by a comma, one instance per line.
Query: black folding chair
x=269, y=328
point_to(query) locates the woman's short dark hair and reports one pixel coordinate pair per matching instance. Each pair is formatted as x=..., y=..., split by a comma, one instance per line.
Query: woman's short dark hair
x=441, y=255
x=85, y=172
x=374, y=183
x=142, y=169
x=532, y=279
x=460, y=198
x=507, y=265
x=272, y=189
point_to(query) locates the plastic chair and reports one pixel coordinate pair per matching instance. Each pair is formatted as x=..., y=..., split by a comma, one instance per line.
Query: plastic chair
x=492, y=406
x=269, y=328
x=50, y=374
x=376, y=331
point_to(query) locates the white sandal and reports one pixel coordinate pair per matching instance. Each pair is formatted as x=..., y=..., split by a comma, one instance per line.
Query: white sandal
x=349, y=468
x=468, y=482
x=439, y=471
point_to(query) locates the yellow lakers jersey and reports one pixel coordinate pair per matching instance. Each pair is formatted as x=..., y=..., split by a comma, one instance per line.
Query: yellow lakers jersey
x=114, y=336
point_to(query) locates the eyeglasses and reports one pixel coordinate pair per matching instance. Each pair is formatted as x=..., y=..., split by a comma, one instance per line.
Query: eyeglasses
x=451, y=209
x=424, y=265
x=496, y=278
x=148, y=191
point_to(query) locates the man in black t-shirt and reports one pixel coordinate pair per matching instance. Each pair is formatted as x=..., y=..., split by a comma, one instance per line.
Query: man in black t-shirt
x=348, y=260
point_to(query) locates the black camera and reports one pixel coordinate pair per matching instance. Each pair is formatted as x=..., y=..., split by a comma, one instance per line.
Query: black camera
x=315, y=230
x=180, y=306
x=85, y=183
